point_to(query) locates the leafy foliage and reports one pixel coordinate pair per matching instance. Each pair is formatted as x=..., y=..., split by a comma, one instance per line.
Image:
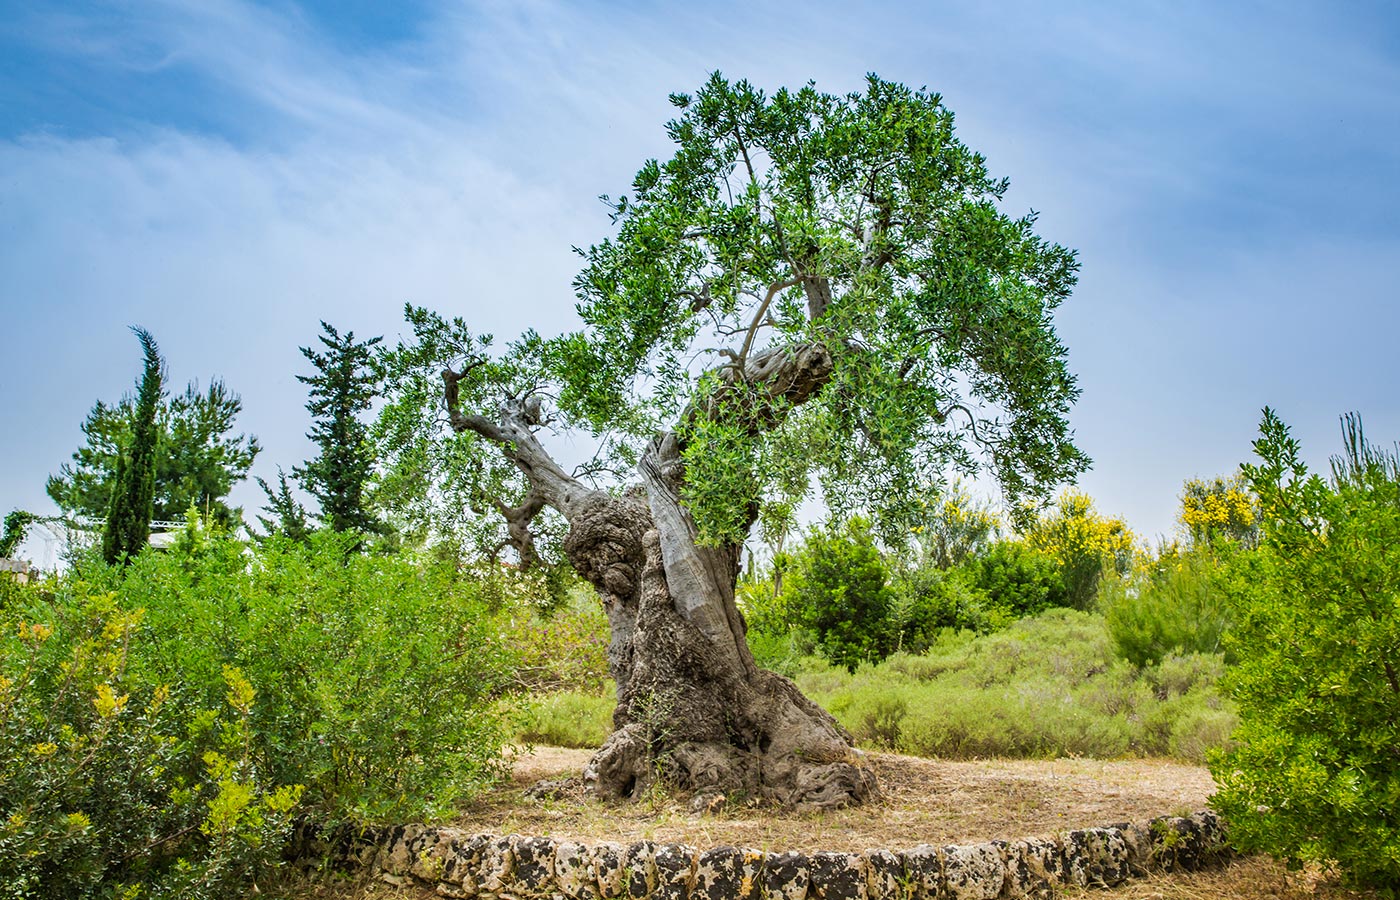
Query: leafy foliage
x=1084, y=543
x=954, y=528
x=107, y=787
x=374, y=675
x=839, y=588
x=343, y=387
x=1315, y=776
x=288, y=517
x=1220, y=509
x=198, y=457
x=16, y=523
x=1181, y=608
x=1017, y=578
x=811, y=290
x=1048, y=685
x=133, y=489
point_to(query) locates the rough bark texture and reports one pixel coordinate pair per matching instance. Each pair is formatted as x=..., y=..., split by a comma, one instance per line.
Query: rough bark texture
x=693, y=709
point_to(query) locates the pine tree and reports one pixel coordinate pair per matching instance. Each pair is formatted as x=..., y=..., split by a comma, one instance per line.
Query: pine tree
x=133, y=495
x=287, y=515
x=343, y=387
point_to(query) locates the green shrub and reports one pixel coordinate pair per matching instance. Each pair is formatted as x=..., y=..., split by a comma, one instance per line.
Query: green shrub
x=107, y=788
x=926, y=601
x=1048, y=685
x=1182, y=609
x=568, y=719
x=1315, y=775
x=1018, y=578
x=838, y=587
x=375, y=675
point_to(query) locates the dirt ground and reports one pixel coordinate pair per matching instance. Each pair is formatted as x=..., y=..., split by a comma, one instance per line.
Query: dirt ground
x=925, y=802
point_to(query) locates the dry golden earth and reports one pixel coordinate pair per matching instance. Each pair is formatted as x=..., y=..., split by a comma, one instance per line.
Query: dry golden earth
x=925, y=802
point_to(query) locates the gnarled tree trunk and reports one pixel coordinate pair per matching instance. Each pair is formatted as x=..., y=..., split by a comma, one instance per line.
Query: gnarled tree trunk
x=693, y=707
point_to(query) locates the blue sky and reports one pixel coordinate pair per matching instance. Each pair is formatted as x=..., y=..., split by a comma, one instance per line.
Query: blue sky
x=228, y=173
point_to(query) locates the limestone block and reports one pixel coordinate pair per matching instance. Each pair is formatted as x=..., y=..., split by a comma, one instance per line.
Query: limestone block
x=1032, y=868
x=573, y=874
x=717, y=874
x=1139, y=843
x=972, y=872
x=608, y=872
x=466, y=863
x=429, y=854
x=1188, y=843
x=785, y=876
x=884, y=876
x=496, y=870
x=836, y=876
x=923, y=867
x=639, y=866
x=675, y=871
x=1102, y=853
x=534, y=866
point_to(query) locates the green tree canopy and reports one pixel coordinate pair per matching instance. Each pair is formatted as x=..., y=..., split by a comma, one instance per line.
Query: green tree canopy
x=814, y=289
x=133, y=487
x=343, y=387
x=198, y=457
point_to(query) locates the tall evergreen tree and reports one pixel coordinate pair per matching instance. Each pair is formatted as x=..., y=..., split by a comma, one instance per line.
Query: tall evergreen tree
x=198, y=460
x=133, y=494
x=344, y=385
x=287, y=515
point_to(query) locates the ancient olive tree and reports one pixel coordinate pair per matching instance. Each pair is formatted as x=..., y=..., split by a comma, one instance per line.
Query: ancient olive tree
x=815, y=292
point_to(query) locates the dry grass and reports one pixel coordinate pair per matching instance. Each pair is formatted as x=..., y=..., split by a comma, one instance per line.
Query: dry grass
x=926, y=801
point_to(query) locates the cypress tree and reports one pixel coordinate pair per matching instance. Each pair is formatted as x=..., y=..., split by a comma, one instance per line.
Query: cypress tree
x=343, y=387
x=133, y=495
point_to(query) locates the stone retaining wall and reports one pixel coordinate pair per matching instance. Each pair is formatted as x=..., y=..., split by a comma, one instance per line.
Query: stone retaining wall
x=458, y=864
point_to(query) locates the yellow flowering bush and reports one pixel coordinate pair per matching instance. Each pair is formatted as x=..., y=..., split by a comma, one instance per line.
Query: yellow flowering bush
x=1084, y=543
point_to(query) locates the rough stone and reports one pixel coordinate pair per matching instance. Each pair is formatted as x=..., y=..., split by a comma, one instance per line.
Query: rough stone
x=972, y=872
x=675, y=871
x=836, y=876
x=534, y=866
x=572, y=872
x=727, y=873
x=1032, y=867
x=639, y=866
x=608, y=871
x=884, y=875
x=1103, y=854
x=1187, y=843
x=923, y=867
x=785, y=876
x=496, y=872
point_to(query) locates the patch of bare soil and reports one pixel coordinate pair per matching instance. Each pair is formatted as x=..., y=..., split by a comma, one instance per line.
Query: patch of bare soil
x=925, y=802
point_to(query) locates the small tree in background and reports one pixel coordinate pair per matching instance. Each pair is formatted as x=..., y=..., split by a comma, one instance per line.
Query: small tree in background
x=343, y=387
x=954, y=528
x=287, y=516
x=16, y=523
x=1220, y=509
x=1315, y=776
x=838, y=587
x=1085, y=543
x=198, y=458
x=133, y=494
